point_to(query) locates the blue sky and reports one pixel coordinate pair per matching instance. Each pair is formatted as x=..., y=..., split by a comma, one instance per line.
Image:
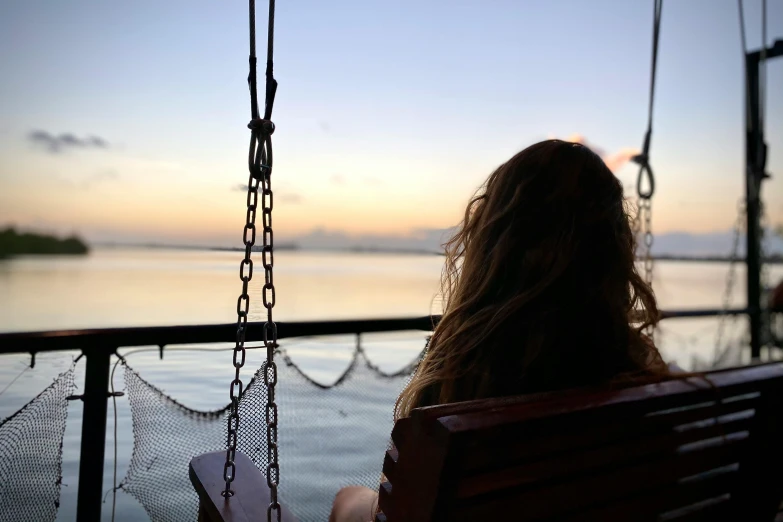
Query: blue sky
x=389, y=114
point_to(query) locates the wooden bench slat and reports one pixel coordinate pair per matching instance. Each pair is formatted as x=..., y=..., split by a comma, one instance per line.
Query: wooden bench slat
x=551, y=436
x=712, y=510
x=587, y=492
x=664, y=499
x=627, y=401
x=390, y=464
x=595, y=460
x=540, y=438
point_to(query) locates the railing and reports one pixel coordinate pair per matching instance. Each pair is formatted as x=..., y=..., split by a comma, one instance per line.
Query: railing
x=99, y=345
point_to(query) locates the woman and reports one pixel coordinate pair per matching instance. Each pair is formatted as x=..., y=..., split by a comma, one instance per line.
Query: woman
x=541, y=293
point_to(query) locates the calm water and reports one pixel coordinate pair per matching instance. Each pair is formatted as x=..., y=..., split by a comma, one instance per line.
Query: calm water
x=134, y=287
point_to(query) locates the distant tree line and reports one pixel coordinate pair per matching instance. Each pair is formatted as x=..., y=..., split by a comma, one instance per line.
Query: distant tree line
x=13, y=243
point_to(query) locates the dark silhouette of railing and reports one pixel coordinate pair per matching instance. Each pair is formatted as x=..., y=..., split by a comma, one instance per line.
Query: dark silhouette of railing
x=98, y=345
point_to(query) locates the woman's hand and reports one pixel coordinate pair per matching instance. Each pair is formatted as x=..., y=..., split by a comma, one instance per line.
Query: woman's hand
x=354, y=504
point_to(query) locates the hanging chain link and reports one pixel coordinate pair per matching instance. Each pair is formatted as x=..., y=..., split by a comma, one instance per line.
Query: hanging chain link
x=643, y=228
x=260, y=167
x=270, y=332
x=721, y=352
x=645, y=205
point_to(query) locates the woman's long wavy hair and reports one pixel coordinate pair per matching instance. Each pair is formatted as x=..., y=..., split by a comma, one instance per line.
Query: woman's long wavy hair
x=540, y=287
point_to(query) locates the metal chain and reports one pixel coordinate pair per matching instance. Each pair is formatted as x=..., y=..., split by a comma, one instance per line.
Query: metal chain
x=645, y=205
x=643, y=227
x=728, y=290
x=260, y=167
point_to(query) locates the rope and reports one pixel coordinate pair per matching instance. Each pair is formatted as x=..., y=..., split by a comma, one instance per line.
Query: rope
x=763, y=69
x=742, y=28
x=271, y=83
x=643, y=159
x=744, y=43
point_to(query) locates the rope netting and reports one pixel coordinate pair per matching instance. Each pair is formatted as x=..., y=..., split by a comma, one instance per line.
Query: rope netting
x=31, y=447
x=330, y=436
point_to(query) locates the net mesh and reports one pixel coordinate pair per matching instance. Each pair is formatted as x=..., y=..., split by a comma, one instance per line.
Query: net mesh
x=31, y=446
x=330, y=436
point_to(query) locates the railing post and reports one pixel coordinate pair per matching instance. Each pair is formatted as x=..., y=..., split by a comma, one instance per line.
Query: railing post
x=91, y=459
x=755, y=159
x=755, y=174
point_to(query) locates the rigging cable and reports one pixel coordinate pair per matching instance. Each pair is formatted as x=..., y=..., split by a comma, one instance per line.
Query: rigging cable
x=115, y=487
x=762, y=148
x=720, y=352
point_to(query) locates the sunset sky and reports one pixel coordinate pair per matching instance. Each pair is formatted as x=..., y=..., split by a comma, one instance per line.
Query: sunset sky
x=127, y=120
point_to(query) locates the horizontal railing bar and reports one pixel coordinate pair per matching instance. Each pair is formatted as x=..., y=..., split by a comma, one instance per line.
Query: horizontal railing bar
x=63, y=340
x=690, y=314
x=112, y=338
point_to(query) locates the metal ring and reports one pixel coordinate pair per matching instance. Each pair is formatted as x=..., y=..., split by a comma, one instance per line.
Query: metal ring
x=243, y=309
x=264, y=297
x=269, y=237
x=273, y=467
x=270, y=262
x=242, y=363
x=246, y=262
x=232, y=393
x=252, y=228
x=270, y=327
x=252, y=195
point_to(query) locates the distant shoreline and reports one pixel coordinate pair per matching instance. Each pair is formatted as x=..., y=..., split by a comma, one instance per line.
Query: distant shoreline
x=404, y=251
x=13, y=243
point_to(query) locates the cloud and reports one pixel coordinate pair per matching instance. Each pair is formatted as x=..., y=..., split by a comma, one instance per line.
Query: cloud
x=614, y=160
x=580, y=138
x=620, y=158
x=337, y=179
x=100, y=177
x=55, y=144
x=86, y=182
x=291, y=198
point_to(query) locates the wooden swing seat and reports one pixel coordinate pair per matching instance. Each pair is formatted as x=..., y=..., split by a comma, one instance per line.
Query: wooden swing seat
x=680, y=450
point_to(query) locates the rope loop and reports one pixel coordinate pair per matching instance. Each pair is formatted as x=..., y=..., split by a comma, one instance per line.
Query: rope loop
x=646, y=176
x=645, y=180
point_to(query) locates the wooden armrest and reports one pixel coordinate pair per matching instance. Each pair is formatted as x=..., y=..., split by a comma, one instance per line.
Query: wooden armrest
x=251, y=493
